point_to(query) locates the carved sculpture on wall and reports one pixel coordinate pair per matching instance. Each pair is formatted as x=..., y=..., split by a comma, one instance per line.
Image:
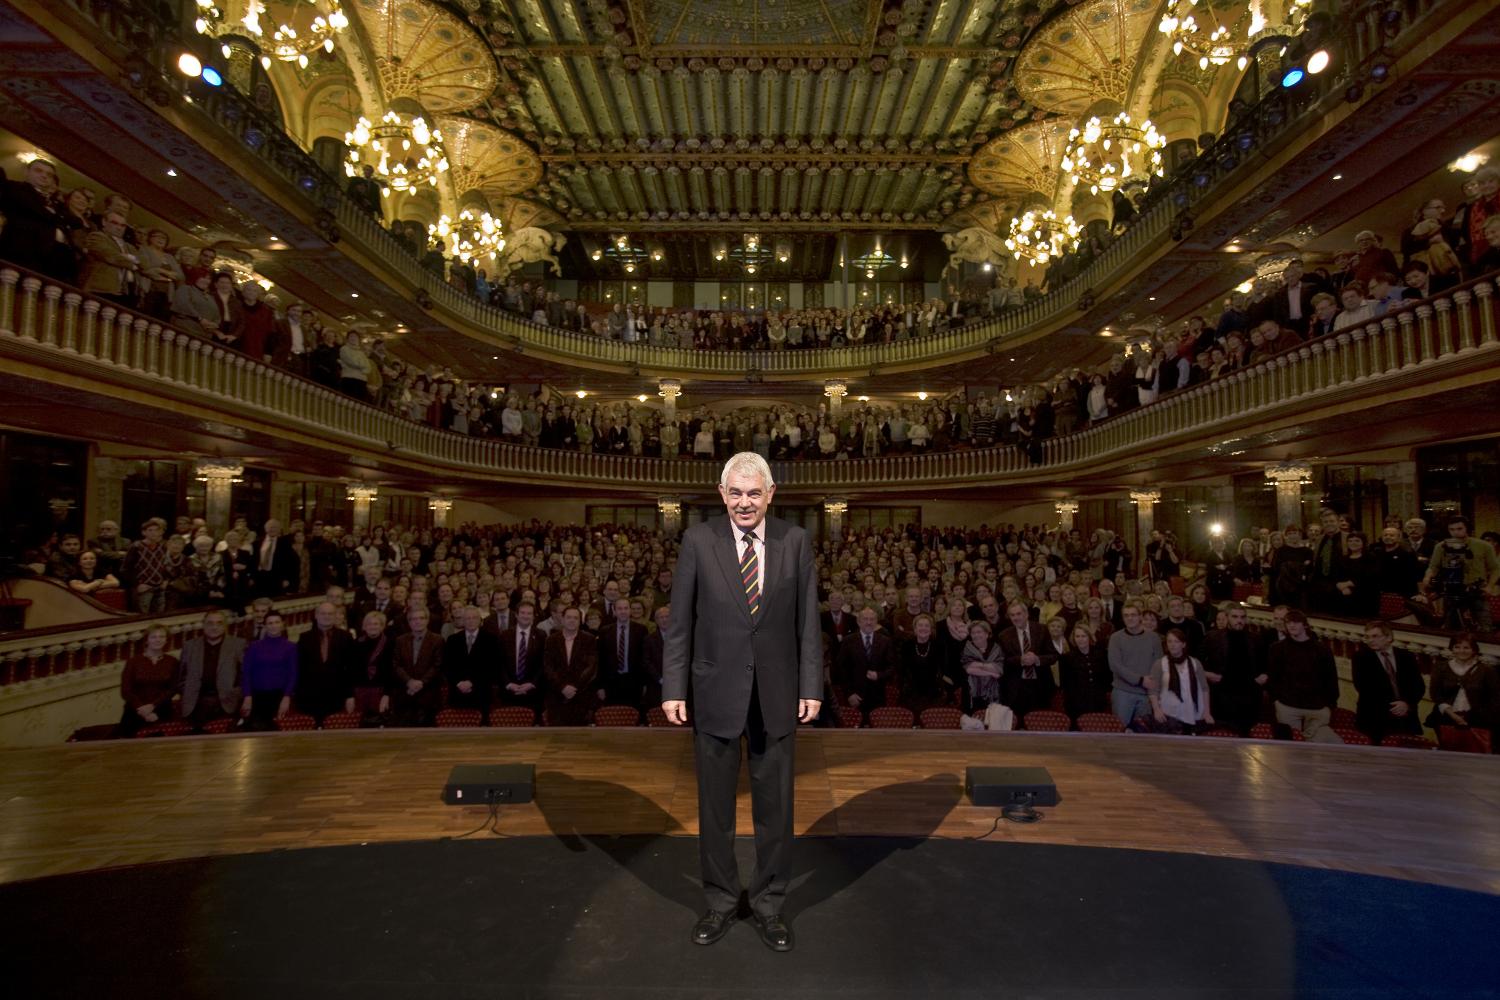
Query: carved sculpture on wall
x=978, y=246
x=527, y=245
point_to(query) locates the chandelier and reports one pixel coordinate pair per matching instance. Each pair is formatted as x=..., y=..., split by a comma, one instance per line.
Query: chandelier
x=1213, y=42
x=473, y=235
x=1106, y=155
x=286, y=42
x=1040, y=236
x=405, y=153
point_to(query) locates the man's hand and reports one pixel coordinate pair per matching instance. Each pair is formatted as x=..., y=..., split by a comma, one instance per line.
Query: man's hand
x=1213, y=678
x=348, y=704
x=245, y=706
x=285, y=706
x=676, y=711
x=145, y=711
x=465, y=686
x=871, y=675
x=807, y=709
x=569, y=691
x=513, y=688
x=854, y=700
x=1262, y=679
x=412, y=687
x=600, y=693
x=1148, y=682
x=1030, y=659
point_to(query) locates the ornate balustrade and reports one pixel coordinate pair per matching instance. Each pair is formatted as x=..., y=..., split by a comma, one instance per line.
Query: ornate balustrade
x=45, y=324
x=137, y=32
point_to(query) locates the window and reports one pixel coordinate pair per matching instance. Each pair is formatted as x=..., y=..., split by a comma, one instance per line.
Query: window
x=632, y=515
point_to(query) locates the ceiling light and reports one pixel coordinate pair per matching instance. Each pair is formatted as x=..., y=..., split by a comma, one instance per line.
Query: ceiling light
x=494, y=357
x=171, y=172
x=922, y=396
x=1468, y=163
x=1338, y=177
x=1244, y=287
x=656, y=255
x=864, y=399
x=494, y=393
x=597, y=254
x=641, y=397
x=1151, y=298
x=1106, y=333
x=987, y=267
x=581, y=393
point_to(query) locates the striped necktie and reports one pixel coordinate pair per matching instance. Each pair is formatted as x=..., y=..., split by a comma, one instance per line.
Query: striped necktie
x=750, y=574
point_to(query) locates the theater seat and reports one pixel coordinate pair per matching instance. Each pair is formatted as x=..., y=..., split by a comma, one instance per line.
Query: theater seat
x=1393, y=606
x=173, y=728
x=219, y=727
x=1341, y=718
x=657, y=716
x=453, y=718
x=1046, y=721
x=296, y=722
x=512, y=716
x=1409, y=741
x=1262, y=731
x=850, y=717
x=1352, y=736
x=1220, y=731
x=342, y=720
x=617, y=715
x=1059, y=703
x=941, y=718
x=891, y=717
x=1099, y=722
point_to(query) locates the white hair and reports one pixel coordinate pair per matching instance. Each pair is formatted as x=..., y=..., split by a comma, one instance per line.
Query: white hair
x=747, y=463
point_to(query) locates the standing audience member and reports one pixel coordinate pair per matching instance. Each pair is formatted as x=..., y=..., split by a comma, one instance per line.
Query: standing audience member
x=417, y=665
x=572, y=661
x=470, y=656
x=269, y=675
x=1133, y=652
x=1389, y=685
x=148, y=683
x=322, y=668
x=1179, y=701
x=1465, y=698
x=1303, y=680
x=211, y=664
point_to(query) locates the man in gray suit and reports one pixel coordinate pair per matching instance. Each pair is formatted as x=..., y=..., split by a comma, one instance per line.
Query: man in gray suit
x=744, y=633
x=211, y=672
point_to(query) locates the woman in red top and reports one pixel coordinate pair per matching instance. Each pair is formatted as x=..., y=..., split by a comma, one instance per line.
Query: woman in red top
x=148, y=684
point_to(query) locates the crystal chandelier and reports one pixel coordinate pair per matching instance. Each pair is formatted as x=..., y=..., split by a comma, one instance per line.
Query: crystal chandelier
x=1213, y=42
x=1040, y=236
x=286, y=42
x=405, y=153
x=1106, y=155
x=473, y=235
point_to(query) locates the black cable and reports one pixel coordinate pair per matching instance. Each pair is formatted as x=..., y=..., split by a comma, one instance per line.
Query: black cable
x=993, y=827
x=492, y=821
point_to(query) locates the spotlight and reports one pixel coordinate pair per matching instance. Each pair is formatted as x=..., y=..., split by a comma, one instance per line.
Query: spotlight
x=1202, y=178
x=1216, y=529
x=1180, y=197
x=189, y=65
x=1380, y=70
x=1245, y=140
x=1318, y=61
x=1292, y=77
x=211, y=77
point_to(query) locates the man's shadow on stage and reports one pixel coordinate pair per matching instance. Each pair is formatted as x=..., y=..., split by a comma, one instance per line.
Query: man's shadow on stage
x=826, y=859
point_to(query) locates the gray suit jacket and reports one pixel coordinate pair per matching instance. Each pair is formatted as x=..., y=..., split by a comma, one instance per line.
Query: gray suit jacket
x=712, y=643
x=227, y=679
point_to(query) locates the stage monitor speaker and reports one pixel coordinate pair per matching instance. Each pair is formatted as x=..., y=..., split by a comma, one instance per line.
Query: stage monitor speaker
x=490, y=784
x=1005, y=786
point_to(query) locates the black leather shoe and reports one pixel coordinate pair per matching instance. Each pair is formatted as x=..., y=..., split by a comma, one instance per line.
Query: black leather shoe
x=774, y=932
x=712, y=926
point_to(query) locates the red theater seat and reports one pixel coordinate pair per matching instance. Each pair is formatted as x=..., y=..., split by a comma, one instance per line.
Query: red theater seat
x=218, y=727
x=657, y=716
x=454, y=718
x=1352, y=736
x=1409, y=741
x=1342, y=718
x=512, y=716
x=850, y=717
x=173, y=728
x=1262, y=731
x=617, y=715
x=891, y=717
x=942, y=718
x=342, y=720
x=1044, y=721
x=296, y=722
x=1099, y=722
x=1220, y=731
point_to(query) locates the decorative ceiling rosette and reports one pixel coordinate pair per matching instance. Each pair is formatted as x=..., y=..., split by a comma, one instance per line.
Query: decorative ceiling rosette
x=485, y=158
x=1087, y=55
x=1022, y=161
x=427, y=54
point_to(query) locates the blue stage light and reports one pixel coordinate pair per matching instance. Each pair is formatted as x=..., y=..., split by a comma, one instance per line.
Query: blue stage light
x=211, y=76
x=1292, y=78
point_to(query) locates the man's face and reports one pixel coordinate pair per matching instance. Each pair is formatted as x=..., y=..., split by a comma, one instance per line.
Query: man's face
x=1297, y=630
x=107, y=531
x=1377, y=639
x=41, y=176
x=1279, y=614
x=152, y=533
x=472, y=619
x=70, y=546
x=990, y=606
x=525, y=616
x=213, y=628
x=1132, y=619
x=746, y=498
x=417, y=619
x=383, y=590
x=1017, y=616
x=324, y=615
x=1174, y=608
x=1314, y=533
x=1237, y=619
x=622, y=610
x=867, y=621
x=1458, y=530
x=1351, y=298
x=1390, y=538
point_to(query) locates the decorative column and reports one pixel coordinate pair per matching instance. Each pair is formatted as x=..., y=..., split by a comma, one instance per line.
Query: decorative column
x=669, y=389
x=218, y=476
x=441, y=507
x=1145, y=520
x=363, y=496
x=1289, y=478
x=835, y=508
x=835, y=389
x=107, y=496
x=1065, y=511
x=670, y=509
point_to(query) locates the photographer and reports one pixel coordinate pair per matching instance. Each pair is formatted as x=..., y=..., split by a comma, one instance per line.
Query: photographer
x=1162, y=557
x=1464, y=572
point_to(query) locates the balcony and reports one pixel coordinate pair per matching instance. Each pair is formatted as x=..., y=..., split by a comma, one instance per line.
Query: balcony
x=1437, y=361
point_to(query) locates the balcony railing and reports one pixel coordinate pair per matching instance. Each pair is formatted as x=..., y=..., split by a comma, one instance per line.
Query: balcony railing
x=138, y=32
x=46, y=324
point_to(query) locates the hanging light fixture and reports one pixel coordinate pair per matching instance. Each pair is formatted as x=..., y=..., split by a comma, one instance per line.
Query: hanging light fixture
x=473, y=234
x=1214, y=41
x=405, y=153
x=1108, y=154
x=1038, y=237
x=285, y=41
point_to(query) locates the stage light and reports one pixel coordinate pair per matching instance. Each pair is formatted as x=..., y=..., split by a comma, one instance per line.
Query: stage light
x=211, y=77
x=1318, y=61
x=1245, y=140
x=581, y=393
x=1216, y=529
x=1380, y=71
x=189, y=65
x=922, y=396
x=1292, y=77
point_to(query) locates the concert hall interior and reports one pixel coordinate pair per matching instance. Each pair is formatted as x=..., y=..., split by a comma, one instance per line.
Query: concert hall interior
x=1131, y=366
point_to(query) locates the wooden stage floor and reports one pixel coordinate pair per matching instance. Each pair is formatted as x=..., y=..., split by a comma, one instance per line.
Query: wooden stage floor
x=1425, y=816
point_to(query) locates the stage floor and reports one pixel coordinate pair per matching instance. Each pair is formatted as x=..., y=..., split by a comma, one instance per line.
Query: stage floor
x=1424, y=816
x=876, y=918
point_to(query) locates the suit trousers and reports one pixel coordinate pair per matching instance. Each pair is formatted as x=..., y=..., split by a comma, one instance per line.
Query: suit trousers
x=771, y=774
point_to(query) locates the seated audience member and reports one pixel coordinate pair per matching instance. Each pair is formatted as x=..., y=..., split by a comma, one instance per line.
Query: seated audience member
x=211, y=664
x=89, y=577
x=368, y=676
x=417, y=665
x=1389, y=685
x=469, y=658
x=1234, y=663
x=622, y=651
x=269, y=675
x=321, y=663
x=148, y=683
x=865, y=661
x=1086, y=677
x=1179, y=702
x=984, y=664
x=1133, y=651
x=923, y=674
x=1465, y=695
x=1303, y=681
x=572, y=661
